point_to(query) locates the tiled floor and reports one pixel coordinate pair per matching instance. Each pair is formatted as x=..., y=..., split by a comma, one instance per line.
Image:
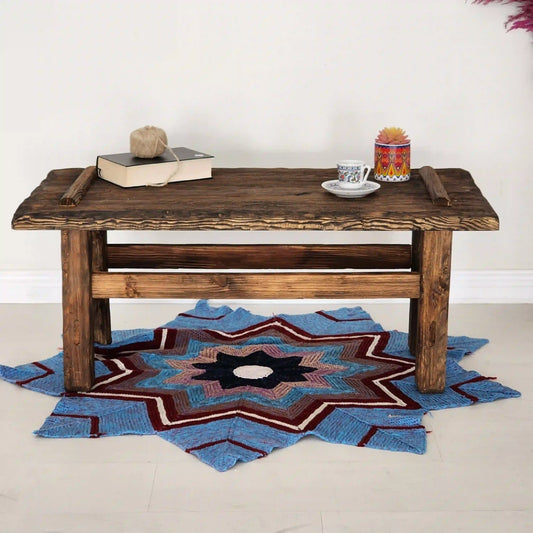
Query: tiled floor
x=477, y=475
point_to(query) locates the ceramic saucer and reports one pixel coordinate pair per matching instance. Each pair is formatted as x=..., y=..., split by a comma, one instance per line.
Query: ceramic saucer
x=334, y=187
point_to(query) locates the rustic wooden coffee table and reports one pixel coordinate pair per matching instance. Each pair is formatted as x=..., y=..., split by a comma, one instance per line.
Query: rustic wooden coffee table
x=262, y=200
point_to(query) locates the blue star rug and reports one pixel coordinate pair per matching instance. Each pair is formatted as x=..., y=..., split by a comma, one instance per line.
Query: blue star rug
x=227, y=385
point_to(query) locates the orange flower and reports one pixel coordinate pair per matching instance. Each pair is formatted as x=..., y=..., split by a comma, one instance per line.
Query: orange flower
x=392, y=136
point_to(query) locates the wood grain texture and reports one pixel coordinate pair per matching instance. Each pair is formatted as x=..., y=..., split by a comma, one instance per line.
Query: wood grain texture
x=255, y=285
x=434, y=186
x=257, y=199
x=77, y=190
x=78, y=336
x=102, y=315
x=429, y=317
x=377, y=256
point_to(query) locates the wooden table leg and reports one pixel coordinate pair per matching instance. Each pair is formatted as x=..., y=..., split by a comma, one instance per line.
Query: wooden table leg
x=428, y=319
x=102, y=316
x=78, y=333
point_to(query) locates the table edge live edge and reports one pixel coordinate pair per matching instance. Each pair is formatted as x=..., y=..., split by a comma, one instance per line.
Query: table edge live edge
x=42, y=209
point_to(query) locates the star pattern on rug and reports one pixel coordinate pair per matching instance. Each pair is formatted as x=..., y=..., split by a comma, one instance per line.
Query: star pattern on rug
x=256, y=369
x=229, y=386
x=182, y=385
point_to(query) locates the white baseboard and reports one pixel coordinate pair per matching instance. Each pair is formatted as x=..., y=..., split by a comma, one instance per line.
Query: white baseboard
x=467, y=286
x=30, y=286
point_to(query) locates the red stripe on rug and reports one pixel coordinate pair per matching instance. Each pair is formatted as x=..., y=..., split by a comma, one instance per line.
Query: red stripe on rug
x=153, y=344
x=374, y=429
x=95, y=423
x=187, y=315
x=236, y=443
x=47, y=372
x=471, y=397
x=331, y=317
x=170, y=341
x=279, y=324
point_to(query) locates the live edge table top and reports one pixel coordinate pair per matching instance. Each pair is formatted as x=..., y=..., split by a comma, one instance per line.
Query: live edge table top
x=257, y=199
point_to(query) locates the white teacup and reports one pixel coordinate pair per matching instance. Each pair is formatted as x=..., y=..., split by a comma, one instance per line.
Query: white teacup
x=352, y=173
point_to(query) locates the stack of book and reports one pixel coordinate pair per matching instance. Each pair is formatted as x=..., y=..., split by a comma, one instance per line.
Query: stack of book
x=127, y=170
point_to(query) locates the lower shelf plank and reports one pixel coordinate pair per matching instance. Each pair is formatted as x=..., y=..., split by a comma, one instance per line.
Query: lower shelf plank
x=255, y=285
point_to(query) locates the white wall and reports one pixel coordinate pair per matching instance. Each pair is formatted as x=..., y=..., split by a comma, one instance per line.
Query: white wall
x=271, y=83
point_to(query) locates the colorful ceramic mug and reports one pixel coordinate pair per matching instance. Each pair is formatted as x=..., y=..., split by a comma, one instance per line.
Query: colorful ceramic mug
x=392, y=162
x=352, y=173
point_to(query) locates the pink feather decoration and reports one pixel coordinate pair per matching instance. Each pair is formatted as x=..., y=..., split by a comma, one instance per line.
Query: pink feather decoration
x=523, y=19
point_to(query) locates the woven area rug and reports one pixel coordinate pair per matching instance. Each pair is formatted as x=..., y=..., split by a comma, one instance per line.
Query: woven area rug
x=227, y=385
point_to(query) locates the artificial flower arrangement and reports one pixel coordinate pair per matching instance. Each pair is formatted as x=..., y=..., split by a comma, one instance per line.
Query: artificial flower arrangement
x=392, y=156
x=392, y=136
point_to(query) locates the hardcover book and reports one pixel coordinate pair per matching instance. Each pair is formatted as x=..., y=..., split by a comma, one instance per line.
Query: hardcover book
x=127, y=170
